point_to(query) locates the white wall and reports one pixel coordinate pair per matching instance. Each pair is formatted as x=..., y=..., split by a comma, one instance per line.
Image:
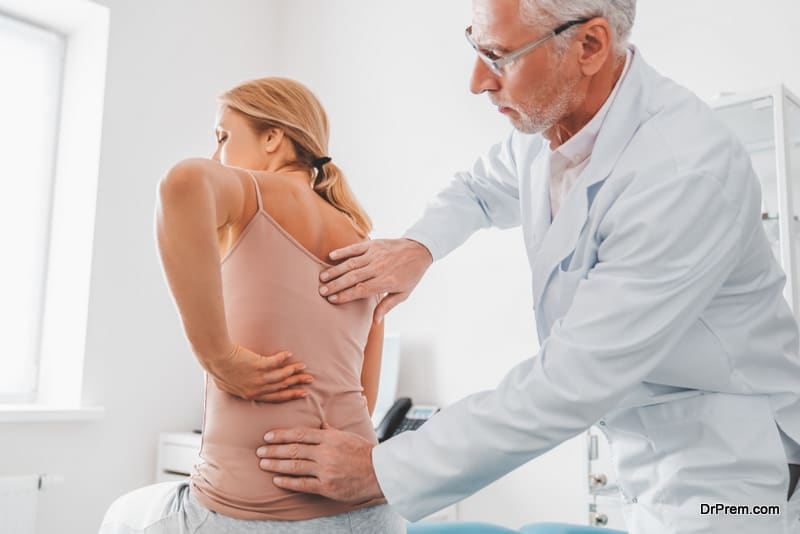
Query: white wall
x=713, y=47
x=393, y=77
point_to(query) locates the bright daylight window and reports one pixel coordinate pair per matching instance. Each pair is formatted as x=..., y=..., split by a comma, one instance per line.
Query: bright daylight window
x=31, y=63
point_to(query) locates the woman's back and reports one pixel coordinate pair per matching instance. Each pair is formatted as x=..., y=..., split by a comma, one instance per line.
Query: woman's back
x=270, y=289
x=312, y=221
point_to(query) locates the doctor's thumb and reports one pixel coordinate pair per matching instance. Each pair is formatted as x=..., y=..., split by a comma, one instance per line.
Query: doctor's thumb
x=386, y=304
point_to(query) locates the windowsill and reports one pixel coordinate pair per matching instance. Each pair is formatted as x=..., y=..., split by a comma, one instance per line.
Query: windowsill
x=38, y=413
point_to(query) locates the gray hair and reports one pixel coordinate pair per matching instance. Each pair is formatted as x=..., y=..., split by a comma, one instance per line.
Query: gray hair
x=619, y=14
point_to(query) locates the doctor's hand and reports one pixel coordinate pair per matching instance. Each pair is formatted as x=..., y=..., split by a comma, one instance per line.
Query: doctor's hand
x=391, y=266
x=251, y=376
x=325, y=461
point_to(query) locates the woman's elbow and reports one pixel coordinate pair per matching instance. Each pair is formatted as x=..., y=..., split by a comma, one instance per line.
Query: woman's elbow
x=187, y=170
x=184, y=177
x=371, y=401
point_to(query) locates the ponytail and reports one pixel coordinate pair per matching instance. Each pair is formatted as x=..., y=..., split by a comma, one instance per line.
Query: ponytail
x=331, y=185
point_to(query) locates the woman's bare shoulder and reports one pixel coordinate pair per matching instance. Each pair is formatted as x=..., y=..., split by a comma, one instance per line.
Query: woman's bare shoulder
x=308, y=217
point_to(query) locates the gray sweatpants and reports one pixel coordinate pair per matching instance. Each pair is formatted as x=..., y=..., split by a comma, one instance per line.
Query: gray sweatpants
x=170, y=508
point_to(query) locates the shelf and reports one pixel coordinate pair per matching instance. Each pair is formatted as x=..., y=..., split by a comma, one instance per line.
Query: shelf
x=751, y=117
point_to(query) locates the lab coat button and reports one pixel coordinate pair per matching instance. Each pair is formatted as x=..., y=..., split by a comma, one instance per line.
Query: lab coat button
x=601, y=422
x=634, y=500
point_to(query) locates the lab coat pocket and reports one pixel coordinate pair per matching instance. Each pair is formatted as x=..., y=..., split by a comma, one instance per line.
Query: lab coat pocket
x=562, y=287
x=716, y=448
x=698, y=361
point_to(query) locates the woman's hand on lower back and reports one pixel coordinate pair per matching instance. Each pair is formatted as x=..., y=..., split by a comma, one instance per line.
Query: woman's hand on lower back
x=251, y=376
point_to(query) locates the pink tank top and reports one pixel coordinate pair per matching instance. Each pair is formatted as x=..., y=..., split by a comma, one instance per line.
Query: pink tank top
x=270, y=288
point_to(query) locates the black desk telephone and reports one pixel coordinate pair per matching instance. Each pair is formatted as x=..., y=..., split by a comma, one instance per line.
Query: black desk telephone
x=402, y=416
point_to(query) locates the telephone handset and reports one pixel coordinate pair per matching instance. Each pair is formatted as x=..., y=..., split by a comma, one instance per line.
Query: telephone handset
x=402, y=416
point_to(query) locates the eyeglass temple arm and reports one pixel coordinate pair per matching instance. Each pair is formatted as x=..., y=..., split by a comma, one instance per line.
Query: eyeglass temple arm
x=567, y=25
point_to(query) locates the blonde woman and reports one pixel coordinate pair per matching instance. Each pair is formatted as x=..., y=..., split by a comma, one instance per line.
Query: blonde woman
x=243, y=237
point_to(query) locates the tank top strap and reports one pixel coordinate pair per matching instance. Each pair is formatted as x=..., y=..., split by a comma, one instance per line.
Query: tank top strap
x=258, y=190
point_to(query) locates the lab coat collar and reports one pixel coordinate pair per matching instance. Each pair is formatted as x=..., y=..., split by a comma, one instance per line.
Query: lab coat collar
x=627, y=112
x=579, y=147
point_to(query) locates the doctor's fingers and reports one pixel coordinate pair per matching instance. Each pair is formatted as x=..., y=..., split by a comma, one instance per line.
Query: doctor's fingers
x=288, y=451
x=356, y=285
x=347, y=274
x=359, y=255
x=310, y=436
x=377, y=254
x=290, y=467
x=356, y=249
x=301, y=484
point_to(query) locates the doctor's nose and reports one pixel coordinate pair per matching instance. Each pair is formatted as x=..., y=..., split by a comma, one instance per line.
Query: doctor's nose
x=483, y=79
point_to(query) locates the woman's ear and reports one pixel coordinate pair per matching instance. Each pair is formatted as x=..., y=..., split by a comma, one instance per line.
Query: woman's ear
x=271, y=140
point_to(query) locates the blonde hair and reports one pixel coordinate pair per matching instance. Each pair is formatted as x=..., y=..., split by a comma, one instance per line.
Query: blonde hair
x=291, y=107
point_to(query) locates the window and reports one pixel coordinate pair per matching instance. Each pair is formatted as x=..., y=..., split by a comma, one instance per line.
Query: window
x=32, y=64
x=53, y=61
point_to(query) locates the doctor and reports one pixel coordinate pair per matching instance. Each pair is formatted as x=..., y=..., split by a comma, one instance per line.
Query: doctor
x=658, y=303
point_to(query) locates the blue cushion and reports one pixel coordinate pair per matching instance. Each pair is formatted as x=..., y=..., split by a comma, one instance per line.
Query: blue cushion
x=457, y=527
x=563, y=528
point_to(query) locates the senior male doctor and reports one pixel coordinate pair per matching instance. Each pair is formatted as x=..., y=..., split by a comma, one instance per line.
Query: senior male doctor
x=658, y=302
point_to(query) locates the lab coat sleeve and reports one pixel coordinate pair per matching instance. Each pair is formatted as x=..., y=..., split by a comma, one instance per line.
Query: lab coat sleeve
x=487, y=195
x=667, y=246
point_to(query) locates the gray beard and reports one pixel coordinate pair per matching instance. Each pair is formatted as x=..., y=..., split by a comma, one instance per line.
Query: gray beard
x=533, y=119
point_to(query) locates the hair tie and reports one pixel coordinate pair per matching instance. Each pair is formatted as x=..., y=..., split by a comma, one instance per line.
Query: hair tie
x=319, y=162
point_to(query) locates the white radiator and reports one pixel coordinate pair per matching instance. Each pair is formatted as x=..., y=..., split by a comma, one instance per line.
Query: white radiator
x=18, y=498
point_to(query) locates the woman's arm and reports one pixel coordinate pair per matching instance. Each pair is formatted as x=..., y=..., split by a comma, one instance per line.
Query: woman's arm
x=371, y=370
x=196, y=198
x=194, y=201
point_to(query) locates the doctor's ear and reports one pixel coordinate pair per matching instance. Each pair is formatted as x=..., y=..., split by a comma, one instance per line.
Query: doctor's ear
x=271, y=139
x=595, y=38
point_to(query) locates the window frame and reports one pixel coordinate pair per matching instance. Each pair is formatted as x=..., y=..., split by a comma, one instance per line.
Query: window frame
x=84, y=26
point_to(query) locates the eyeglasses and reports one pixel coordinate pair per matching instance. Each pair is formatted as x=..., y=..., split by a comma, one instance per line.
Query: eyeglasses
x=496, y=64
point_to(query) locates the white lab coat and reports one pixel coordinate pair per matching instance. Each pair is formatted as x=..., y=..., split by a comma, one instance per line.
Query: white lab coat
x=660, y=316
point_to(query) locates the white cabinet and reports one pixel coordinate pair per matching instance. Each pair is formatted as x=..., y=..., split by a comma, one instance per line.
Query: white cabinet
x=178, y=452
x=768, y=124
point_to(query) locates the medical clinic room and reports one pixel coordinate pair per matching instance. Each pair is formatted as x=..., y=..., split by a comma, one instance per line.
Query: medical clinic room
x=369, y=267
